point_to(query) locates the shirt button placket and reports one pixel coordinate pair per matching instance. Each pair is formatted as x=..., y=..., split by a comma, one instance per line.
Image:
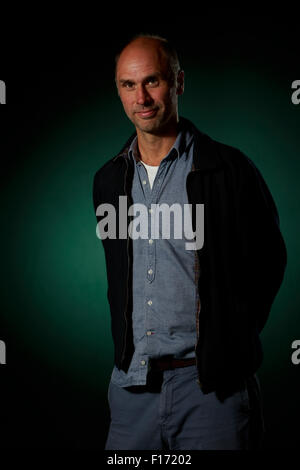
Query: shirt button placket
x=150, y=268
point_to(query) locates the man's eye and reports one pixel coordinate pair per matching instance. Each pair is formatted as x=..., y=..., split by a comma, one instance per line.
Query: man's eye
x=152, y=81
x=128, y=85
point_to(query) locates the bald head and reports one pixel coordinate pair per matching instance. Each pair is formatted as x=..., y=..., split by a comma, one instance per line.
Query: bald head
x=160, y=49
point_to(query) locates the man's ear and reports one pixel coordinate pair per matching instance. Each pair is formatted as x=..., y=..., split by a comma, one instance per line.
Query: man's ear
x=180, y=83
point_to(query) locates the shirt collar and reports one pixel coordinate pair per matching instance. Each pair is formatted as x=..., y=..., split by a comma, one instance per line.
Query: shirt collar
x=180, y=147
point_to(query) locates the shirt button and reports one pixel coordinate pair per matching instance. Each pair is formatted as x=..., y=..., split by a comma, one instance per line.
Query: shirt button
x=150, y=241
x=149, y=302
x=144, y=182
x=150, y=271
x=149, y=333
x=143, y=363
x=151, y=211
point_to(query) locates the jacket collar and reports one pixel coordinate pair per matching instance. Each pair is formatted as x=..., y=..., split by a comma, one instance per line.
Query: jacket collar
x=205, y=156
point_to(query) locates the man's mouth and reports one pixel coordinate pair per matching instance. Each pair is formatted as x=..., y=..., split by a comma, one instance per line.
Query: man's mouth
x=147, y=113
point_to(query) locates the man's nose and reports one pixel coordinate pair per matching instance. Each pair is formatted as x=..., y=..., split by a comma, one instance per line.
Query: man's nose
x=142, y=96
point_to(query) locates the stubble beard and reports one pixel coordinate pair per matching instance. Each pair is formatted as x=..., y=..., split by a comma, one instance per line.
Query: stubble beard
x=151, y=126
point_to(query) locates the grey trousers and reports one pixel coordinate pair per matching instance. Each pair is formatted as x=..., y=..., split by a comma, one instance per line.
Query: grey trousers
x=171, y=412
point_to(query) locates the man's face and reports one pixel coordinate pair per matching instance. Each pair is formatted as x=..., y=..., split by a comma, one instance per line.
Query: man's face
x=148, y=95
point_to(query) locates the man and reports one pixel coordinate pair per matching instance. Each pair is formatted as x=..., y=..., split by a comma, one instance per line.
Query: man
x=185, y=322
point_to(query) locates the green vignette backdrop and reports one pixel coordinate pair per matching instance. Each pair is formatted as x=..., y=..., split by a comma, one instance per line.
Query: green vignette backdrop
x=55, y=316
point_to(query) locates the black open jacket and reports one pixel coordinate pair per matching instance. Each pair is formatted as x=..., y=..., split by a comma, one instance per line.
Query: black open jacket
x=242, y=261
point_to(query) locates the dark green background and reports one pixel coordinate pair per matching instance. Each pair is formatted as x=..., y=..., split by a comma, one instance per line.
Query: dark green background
x=62, y=122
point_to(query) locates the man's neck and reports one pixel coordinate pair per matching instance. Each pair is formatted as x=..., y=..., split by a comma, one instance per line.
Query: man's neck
x=153, y=148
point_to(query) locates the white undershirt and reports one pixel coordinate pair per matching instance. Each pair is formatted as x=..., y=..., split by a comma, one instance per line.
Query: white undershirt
x=151, y=170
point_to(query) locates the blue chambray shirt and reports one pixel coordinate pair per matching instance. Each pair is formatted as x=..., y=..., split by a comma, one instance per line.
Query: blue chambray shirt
x=165, y=294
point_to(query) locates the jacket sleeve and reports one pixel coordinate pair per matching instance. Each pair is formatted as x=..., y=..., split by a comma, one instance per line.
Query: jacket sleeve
x=263, y=252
